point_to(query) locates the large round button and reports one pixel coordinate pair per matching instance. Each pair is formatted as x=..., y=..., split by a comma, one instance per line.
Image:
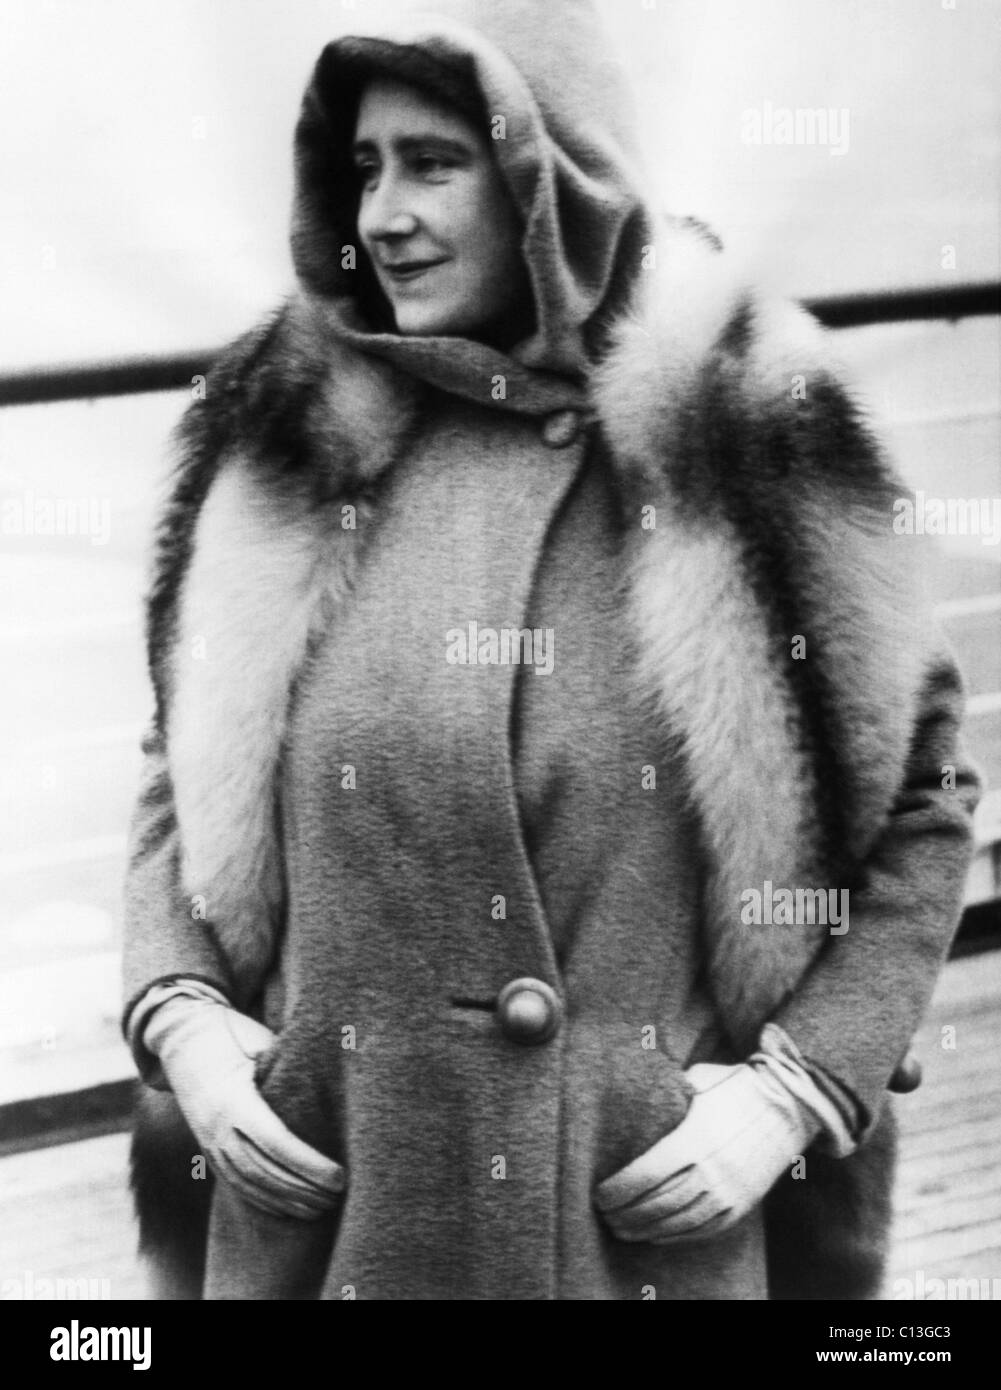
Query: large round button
x=528, y=1011
x=907, y=1076
x=561, y=428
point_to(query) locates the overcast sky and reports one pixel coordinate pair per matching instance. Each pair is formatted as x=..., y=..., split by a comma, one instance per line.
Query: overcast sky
x=145, y=173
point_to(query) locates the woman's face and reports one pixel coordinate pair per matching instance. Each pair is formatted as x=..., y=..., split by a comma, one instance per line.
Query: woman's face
x=435, y=218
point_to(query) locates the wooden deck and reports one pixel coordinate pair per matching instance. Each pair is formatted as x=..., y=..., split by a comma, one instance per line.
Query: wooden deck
x=65, y=1214
x=948, y=1200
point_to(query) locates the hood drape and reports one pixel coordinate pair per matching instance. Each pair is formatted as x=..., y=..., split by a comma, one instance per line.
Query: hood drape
x=539, y=81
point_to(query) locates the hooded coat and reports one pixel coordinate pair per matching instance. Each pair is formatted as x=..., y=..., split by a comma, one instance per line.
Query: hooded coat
x=362, y=821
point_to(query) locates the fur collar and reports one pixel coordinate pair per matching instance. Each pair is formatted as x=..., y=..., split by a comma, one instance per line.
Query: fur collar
x=773, y=517
x=773, y=520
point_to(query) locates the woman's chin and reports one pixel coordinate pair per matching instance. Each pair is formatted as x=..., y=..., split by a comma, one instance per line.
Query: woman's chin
x=423, y=325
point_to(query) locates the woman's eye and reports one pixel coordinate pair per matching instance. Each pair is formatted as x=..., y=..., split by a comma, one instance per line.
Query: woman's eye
x=368, y=174
x=430, y=165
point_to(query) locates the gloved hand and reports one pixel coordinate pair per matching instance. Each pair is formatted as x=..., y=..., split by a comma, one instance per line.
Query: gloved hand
x=207, y=1051
x=743, y=1129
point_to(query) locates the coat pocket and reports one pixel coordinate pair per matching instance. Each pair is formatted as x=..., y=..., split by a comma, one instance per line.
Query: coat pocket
x=254, y=1255
x=623, y=1095
x=300, y=1078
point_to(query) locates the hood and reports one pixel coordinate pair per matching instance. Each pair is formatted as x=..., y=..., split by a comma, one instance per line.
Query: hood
x=567, y=151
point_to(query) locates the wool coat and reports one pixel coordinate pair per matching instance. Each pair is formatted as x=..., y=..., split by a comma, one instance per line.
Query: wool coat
x=363, y=847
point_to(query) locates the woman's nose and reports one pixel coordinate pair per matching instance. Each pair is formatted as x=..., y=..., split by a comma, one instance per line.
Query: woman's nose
x=384, y=212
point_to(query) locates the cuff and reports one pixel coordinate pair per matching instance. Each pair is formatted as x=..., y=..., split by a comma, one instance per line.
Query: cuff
x=147, y=1064
x=783, y=1059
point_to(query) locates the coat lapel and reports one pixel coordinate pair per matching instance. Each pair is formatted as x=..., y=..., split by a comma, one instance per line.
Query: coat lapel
x=699, y=382
x=261, y=578
x=708, y=656
x=273, y=554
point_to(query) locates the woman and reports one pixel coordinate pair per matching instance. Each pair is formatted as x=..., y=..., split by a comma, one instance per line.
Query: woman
x=516, y=628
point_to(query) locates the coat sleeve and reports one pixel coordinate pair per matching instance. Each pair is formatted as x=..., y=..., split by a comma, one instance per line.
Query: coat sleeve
x=165, y=938
x=854, y=1014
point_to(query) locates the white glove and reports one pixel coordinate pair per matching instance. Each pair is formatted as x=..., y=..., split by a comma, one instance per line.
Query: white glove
x=743, y=1129
x=207, y=1051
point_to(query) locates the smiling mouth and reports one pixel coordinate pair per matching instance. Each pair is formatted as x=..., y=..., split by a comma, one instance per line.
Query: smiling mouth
x=404, y=271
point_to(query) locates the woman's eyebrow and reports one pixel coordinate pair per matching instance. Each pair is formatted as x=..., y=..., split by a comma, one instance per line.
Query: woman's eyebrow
x=412, y=144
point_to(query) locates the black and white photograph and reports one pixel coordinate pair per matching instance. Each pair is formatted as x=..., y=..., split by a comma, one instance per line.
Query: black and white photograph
x=500, y=543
